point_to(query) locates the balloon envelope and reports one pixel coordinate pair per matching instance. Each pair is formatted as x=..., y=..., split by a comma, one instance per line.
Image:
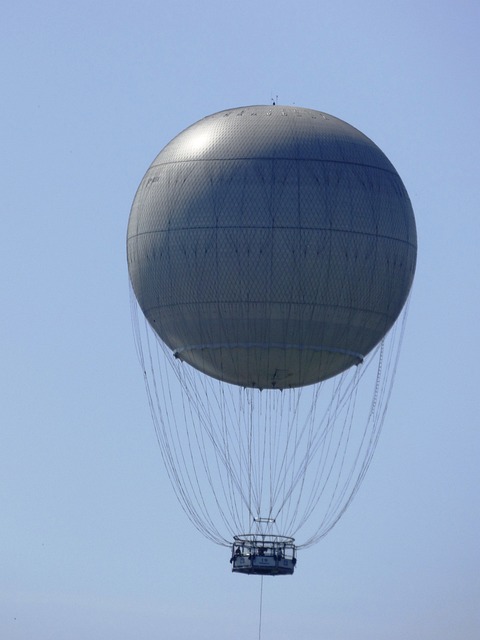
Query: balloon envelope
x=271, y=246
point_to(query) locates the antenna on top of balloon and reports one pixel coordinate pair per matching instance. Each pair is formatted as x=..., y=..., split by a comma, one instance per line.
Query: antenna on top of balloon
x=274, y=100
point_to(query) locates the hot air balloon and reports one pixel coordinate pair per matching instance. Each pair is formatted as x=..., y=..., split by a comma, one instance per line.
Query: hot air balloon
x=271, y=251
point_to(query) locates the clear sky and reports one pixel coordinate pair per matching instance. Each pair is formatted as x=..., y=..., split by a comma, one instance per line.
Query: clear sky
x=92, y=542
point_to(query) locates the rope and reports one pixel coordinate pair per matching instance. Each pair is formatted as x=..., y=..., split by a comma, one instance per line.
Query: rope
x=261, y=605
x=294, y=457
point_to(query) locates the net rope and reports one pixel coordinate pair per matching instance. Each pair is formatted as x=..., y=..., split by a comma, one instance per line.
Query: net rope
x=294, y=458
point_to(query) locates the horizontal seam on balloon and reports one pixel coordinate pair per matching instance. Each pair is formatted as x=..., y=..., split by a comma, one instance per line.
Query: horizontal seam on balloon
x=273, y=345
x=270, y=159
x=269, y=303
x=270, y=228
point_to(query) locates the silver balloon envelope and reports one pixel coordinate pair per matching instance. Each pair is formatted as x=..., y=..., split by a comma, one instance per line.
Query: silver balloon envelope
x=271, y=246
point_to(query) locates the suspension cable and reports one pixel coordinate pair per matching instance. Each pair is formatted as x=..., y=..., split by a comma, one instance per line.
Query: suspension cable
x=234, y=454
x=261, y=606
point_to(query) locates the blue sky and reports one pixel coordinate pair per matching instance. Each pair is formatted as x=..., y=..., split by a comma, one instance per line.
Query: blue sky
x=92, y=542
